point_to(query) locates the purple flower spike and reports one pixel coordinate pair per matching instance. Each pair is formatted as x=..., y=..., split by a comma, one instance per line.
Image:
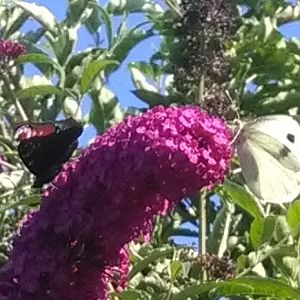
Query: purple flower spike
x=73, y=245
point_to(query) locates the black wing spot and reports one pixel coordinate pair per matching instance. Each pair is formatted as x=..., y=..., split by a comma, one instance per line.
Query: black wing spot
x=284, y=151
x=291, y=137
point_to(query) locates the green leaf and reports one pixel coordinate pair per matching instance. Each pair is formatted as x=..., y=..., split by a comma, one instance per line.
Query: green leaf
x=149, y=70
x=269, y=25
x=98, y=16
x=140, y=81
x=63, y=44
x=153, y=98
x=117, y=7
x=175, y=269
x=91, y=71
x=105, y=109
x=107, y=20
x=144, y=263
x=40, y=14
x=72, y=108
x=282, y=229
x=38, y=90
x=218, y=237
x=242, y=198
x=261, y=231
x=131, y=295
x=76, y=10
x=264, y=104
x=293, y=215
x=15, y=22
x=252, y=286
x=10, y=180
x=29, y=201
x=35, y=58
x=126, y=40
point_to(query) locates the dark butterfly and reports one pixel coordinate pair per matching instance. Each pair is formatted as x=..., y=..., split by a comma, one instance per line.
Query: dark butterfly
x=44, y=147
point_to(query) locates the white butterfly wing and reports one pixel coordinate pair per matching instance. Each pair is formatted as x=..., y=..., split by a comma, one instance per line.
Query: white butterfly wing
x=265, y=176
x=284, y=129
x=269, y=154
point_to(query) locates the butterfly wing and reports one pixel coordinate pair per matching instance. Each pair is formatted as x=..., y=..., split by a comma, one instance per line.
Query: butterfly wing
x=265, y=175
x=44, y=154
x=284, y=129
x=268, y=151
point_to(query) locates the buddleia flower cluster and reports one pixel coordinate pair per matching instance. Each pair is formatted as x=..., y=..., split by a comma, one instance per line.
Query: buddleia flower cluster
x=203, y=29
x=75, y=245
x=216, y=268
x=9, y=52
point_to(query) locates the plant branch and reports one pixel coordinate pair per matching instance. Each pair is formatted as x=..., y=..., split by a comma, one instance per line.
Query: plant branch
x=14, y=98
x=202, y=221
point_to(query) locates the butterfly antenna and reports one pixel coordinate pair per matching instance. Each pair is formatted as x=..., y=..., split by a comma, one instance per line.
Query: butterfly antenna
x=236, y=123
x=234, y=104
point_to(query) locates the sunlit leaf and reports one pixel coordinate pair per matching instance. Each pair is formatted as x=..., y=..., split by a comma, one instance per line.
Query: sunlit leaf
x=255, y=286
x=91, y=71
x=40, y=14
x=242, y=198
x=175, y=268
x=119, y=7
x=293, y=215
x=38, y=90
x=35, y=58
x=261, y=230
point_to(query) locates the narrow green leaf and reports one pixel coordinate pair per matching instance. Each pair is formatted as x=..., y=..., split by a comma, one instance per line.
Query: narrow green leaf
x=35, y=58
x=151, y=98
x=38, y=90
x=254, y=286
x=15, y=22
x=293, y=215
x=219, y=231
x=241, y=197
x=175, y=269
x=29, y=201
x=126, y=40
x=91, y=71
x=98, y=16
x=40, y=14
x=117, y=7
x=63, y=45
x=144, y=263
x=140, y=81
x=107, y=20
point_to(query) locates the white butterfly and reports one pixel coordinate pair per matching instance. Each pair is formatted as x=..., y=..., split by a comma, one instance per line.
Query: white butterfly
x=269, y=153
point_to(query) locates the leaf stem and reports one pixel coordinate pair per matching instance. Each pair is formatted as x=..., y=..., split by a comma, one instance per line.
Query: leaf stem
x=13, y=97
x=8, y=165
x=202, y=221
